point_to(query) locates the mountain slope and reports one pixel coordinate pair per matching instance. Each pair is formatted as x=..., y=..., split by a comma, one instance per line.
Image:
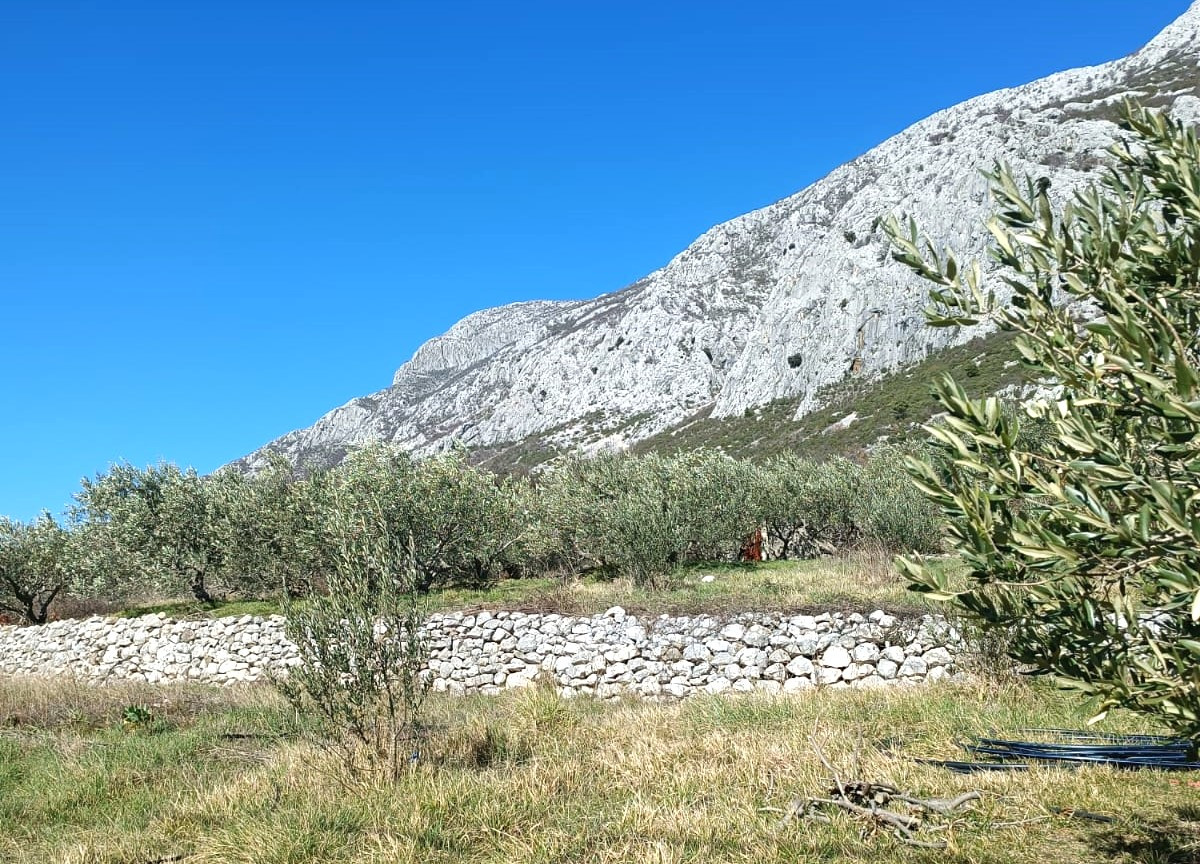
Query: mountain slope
x=779, y=304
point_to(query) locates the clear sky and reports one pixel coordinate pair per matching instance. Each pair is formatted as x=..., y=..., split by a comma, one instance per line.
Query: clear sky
x=220, y=219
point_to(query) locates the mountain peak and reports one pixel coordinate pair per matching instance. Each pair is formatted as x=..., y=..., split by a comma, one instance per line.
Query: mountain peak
x=779, y=304
x=1181, y=35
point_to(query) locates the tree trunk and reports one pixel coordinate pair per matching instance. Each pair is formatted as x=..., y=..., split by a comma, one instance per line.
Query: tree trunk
x=196, y=583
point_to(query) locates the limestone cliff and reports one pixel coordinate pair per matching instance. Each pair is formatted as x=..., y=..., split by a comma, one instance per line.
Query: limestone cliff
x=774, y=304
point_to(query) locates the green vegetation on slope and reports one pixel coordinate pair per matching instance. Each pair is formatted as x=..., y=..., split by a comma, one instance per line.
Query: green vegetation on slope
x=891, y=408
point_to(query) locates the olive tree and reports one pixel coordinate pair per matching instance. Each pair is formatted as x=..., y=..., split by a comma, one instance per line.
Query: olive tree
x=890, y=510
x=716, y=506
x=809, y=507
x=1086, y=547
x=644, y=516
x=34, y=567
x=273, y=526
x=465, y=525
x=166, y=529
x=571, y=504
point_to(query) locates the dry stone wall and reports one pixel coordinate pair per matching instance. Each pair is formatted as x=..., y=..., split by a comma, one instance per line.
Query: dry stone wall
x=605, y=656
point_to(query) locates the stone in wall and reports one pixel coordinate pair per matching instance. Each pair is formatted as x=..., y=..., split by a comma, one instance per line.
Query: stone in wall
x=605, y=656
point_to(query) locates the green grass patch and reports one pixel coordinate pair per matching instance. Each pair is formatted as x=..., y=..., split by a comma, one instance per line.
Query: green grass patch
x=852, y=582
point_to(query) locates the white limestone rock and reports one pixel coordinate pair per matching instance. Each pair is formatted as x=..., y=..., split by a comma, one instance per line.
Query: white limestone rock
x=773, y=304
x=836, y=657
x=717, y=685
x=886, y=668
x=797, y=685
x=825, y=675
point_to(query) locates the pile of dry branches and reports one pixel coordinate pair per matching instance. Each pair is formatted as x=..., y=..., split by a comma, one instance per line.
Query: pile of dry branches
x=882, y=807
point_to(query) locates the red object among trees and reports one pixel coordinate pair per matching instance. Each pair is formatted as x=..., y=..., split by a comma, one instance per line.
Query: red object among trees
x=752, y=548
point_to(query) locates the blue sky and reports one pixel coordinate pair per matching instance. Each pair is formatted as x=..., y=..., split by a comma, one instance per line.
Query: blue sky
x=220, y=219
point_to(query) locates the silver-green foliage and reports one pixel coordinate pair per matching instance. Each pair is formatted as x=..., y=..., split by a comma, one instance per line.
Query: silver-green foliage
x=1086, y=547
x=644, y=516
x=890, y=510
x=162, y=530
x=465, y=525
x=158, y=529
x=34, y=567
x=811, y=508
x=274, y=527
x=360, y=641
x=808, y=507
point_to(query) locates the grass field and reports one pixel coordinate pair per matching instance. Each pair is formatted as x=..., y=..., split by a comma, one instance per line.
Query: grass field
x=139, y=774
x=853, y=582
x=211, y=775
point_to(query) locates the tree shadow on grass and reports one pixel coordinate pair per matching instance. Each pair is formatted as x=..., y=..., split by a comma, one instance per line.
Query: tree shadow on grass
x=1164, y=841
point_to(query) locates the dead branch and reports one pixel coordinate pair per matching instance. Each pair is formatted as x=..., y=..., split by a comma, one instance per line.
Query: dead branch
x=923, y=844
x=940, y=805
x=1083, y=815
x=829, y=767
x=896, y=820
x=870, y=802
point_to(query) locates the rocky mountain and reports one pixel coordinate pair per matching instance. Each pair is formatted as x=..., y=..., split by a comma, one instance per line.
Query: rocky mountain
x=777, y=304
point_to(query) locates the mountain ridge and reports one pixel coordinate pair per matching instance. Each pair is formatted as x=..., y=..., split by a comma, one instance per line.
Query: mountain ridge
x=780, y=303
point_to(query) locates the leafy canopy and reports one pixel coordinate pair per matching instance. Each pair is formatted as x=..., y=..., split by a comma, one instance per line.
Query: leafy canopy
x=1084, y=543
x=34, y=567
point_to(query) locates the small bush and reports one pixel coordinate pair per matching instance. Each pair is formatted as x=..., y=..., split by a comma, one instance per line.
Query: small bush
x=361, y=646
x=139, y=718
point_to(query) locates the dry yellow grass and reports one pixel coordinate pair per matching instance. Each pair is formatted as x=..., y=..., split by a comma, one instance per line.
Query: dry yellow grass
x=48, y=704
x=531, y=778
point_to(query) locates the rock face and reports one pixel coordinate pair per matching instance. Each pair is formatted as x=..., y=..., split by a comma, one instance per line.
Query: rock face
x=774, y=304
x=604, y=656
